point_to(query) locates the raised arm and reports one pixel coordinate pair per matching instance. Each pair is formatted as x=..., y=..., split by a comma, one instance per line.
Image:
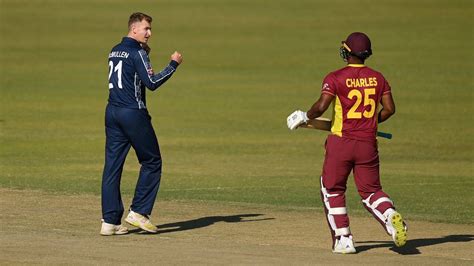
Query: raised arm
x=146, y=74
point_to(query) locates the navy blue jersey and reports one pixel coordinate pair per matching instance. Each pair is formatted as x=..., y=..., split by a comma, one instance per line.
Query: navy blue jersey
x=130, y=72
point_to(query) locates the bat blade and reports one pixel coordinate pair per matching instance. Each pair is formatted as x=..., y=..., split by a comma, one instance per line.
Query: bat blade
x=322, y=123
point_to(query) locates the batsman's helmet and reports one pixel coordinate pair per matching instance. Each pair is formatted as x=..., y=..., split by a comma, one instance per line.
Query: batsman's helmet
x=357, y=44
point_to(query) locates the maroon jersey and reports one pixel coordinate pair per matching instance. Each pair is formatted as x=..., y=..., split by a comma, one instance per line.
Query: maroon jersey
x=358, y=90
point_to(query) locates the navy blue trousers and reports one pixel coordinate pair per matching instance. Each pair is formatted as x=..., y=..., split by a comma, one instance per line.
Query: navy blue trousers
x=125, y=128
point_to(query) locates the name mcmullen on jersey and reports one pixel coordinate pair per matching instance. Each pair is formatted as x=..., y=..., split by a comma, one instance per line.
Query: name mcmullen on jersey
x=130, y=71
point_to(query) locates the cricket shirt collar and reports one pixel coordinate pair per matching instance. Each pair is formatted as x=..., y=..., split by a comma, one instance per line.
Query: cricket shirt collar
x=131, y=42
x=356, y=65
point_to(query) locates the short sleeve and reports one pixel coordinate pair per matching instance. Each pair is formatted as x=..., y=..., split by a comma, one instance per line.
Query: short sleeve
x=329, y=85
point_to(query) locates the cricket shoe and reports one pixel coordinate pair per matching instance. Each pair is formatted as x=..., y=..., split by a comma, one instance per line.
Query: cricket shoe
x=397, y=228
x=141, y=221
x=112, y=229
x=344, y=245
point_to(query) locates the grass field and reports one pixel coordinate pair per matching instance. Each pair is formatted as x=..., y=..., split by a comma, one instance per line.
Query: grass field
x=221, y=119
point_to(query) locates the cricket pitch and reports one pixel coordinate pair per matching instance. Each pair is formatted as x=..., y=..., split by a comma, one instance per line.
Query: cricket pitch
x=46, y=228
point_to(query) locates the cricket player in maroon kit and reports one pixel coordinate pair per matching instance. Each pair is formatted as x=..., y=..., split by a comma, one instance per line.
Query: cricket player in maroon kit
x=355, y=92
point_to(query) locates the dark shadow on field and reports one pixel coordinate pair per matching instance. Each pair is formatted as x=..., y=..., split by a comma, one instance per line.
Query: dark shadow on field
x=412, y=245
x=204, y=222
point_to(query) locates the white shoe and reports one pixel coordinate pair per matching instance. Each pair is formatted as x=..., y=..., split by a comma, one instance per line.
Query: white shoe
x=112, y=229
x=397, y=229
x=344, y=245
x=140, y=221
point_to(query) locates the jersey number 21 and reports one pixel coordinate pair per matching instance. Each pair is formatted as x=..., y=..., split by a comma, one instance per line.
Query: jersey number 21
x=115, y=70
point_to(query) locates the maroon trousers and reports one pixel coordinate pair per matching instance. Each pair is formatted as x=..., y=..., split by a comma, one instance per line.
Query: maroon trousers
x=344, y=155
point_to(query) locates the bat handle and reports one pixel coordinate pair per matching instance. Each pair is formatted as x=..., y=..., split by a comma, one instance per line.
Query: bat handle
x=384, y=135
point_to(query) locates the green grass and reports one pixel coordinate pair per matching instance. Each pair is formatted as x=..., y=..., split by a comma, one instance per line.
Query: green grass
x=221, y=119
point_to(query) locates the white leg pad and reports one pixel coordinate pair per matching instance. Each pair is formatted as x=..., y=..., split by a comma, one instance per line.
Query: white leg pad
x=387, y=213
x=334, y=211
x=338, y=211
x=342, y=231
x=375, y=204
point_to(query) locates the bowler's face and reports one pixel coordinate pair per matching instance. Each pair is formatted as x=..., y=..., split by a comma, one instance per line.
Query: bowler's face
x=142, y=31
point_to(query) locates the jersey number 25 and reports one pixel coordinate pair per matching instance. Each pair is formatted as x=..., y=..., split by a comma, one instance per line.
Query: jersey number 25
x=353, y=113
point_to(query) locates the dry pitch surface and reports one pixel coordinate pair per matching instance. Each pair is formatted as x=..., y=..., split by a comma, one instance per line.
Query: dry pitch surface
x=44, y=228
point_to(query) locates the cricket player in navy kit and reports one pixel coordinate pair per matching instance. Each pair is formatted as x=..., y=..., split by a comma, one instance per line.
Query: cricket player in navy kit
x=128, y=124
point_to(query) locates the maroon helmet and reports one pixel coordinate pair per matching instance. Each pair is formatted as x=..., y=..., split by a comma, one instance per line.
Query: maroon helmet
x=357, y=44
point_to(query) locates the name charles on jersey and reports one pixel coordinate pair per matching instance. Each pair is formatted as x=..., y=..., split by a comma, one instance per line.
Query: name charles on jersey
x=361, y=82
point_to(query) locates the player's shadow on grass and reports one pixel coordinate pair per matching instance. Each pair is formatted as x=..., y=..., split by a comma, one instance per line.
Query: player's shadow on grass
x=204, y=222
x=412, y=245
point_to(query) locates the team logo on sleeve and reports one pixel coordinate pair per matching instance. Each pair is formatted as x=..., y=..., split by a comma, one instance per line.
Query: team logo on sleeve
x=326, y=87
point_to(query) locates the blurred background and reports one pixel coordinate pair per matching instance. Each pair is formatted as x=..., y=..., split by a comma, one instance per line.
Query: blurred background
x=221, y=119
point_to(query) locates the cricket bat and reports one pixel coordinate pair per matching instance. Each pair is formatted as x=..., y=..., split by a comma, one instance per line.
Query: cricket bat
x=322, y=123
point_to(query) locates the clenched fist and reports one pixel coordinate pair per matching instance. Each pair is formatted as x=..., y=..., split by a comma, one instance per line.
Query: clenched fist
x=177, y=57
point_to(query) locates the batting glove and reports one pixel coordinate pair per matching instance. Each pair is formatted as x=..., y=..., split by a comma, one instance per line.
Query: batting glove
x=296, y=118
